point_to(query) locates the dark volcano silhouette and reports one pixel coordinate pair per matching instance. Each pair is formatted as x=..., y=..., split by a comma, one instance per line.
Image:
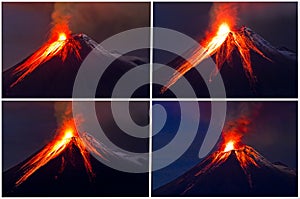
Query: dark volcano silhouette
x=275, y=78
x=66, y=175
x=222, y=174
x=55, y=78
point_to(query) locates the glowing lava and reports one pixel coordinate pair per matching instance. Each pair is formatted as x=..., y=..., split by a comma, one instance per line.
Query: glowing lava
x=229, y=146
x=221, y=45
x=223, y=29
x=217, y=40
x=69, y=133
x=62, y=37
x=59, y=44
x=65, y=137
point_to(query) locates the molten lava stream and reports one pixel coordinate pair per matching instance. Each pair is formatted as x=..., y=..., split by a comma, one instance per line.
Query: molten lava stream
x=65, y=135
x=200, y=54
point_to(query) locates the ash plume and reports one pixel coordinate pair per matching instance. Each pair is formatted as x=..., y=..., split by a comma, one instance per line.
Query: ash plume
x=62, y=112
x=220, y=11
x=249, y=12
x=109, y=18
x=239, y=120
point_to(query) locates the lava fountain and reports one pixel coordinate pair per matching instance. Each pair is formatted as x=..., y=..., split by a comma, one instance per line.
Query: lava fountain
x=229, y=146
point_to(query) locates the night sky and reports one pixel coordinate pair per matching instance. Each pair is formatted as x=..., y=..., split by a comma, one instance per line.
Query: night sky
x=275, y=22
x=27, y=127
x=25, y=26
x=273, y=133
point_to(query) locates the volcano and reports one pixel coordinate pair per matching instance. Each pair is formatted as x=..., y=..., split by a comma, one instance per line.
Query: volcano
x=52, y=69
x=249, y=65
x=234, y=171
x=64, y=167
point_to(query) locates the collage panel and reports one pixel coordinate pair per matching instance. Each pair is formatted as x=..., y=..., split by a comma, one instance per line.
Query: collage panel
x=60, y=151
x=225, y=49
x=75, y=49
x=253, y=154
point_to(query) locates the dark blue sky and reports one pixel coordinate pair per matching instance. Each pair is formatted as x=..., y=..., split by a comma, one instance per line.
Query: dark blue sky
x=273, y=133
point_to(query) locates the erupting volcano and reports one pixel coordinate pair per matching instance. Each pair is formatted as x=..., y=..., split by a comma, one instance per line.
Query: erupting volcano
x=69, y=165
x=241, y=47
x=221, y=45
x=51, y=70
x=234, y=170
x=60, y=44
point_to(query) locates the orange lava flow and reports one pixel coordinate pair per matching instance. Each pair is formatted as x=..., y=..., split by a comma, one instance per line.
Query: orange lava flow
x=60, y=44
x=65, y=136
x=217, y=159
x=221, y=45
x=246, y=158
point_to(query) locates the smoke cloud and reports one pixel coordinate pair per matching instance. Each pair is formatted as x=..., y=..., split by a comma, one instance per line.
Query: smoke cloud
x=246, y=12
x=225, y=12
x=101, y=20
x=239, y=120
x=62, y=112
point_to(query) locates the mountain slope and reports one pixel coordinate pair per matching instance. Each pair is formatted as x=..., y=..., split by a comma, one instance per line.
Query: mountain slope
x=66, y=175
x=225, y=174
